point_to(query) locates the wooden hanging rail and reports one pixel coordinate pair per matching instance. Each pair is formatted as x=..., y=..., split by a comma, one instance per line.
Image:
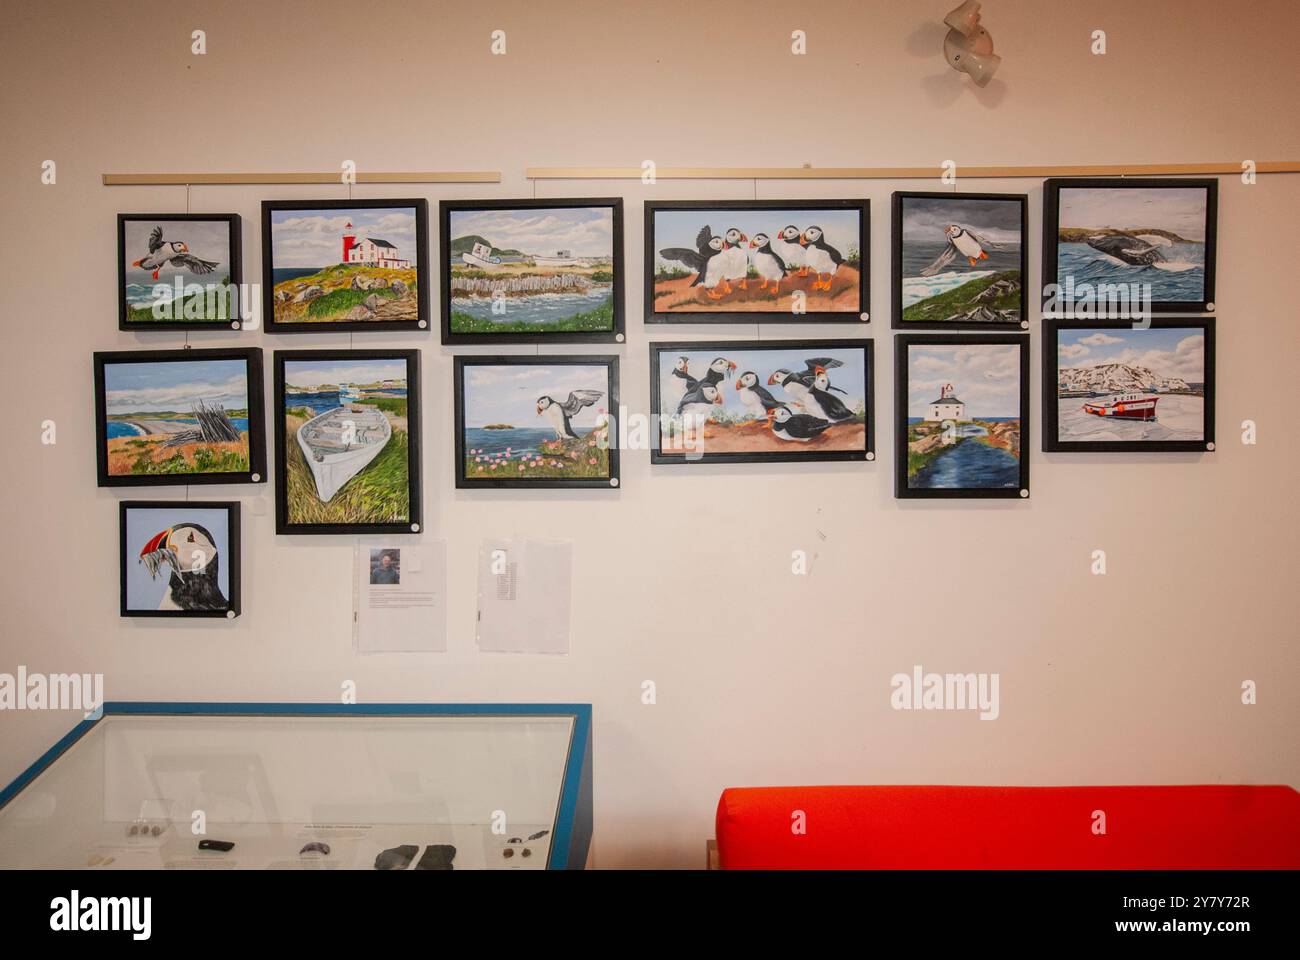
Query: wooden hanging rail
x=206, y=179
x=907, y=173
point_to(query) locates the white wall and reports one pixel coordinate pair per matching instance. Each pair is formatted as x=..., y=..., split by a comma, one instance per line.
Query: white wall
x=683, y=575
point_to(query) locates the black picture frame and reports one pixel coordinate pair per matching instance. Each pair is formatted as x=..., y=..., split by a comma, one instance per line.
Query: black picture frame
x=902, y=344
x=898, y=202
x=235, y=245
x=1051, y=230
x=422, y=321
x=415, y=522
x=859, y=316
x=1052, y=443
x=252, y=357
x=233, y=557
x=659, y=348
x=609, y=362
x=450, y=337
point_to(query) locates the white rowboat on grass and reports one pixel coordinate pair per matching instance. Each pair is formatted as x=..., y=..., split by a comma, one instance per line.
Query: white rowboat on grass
x=339, y=442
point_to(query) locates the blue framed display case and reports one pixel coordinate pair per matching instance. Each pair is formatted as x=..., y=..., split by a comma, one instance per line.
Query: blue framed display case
x=152, y=785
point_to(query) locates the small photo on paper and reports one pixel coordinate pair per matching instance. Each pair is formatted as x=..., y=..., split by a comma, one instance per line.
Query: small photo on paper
x=386, y=566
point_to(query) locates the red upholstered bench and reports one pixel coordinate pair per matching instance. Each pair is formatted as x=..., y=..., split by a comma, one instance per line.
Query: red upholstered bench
x=931, y=827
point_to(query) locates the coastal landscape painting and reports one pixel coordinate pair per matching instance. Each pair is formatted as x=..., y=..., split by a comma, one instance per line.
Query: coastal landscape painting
x=746, y=261
x=1109, y=387
x=179, y=559
x=1145, y=240
x=519, y=271
x=536, y=421
x=962, y=408
x=762, y=401
x=345, y=265
x=960, y=260
x=347, y=432
x=179, y=417
x=178, y=271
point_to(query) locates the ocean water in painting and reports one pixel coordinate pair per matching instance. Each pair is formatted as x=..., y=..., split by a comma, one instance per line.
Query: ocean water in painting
x=1180, y=276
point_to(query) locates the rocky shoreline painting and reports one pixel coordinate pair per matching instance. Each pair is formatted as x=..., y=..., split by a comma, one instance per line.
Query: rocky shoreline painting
x=519, y=271
x=345, y=265
x=961, y=411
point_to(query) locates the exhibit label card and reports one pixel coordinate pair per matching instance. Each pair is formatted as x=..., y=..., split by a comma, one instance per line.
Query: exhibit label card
x=401, y=593
x=524, y=596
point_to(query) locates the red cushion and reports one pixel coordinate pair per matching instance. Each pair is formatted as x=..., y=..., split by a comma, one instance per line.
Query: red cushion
x=935, y=827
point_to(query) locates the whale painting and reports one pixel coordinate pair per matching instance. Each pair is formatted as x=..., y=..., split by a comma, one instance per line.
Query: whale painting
x=959, y=260
x=1114, y=248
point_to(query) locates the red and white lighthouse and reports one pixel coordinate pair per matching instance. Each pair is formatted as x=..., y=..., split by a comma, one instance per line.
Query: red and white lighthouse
x=349, y=241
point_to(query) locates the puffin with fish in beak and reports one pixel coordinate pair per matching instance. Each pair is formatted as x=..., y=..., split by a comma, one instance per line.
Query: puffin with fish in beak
x=191, y=552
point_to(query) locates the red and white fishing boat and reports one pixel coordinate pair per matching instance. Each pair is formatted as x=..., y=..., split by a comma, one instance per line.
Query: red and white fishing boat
x=1124, y=406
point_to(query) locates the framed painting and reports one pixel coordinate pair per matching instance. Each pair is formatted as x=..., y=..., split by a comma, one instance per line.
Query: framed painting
x=347, y=434
x=345, y=265
x=537, y=422
x=178, y=271
x=762, y=401
x=176, y=417
x=179, y=558
x=524, y=271
x=961, y=412
x=750, y=261
x=1111, y=387
x=1119, y=248
x=960, y=260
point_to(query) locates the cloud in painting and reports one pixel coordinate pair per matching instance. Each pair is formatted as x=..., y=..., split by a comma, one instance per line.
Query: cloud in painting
x=586, y=231
x=303, y=238
x=986, y=377
x=508, y=393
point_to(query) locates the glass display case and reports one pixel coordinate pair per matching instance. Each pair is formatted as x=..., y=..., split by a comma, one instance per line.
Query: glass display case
x=308, y=787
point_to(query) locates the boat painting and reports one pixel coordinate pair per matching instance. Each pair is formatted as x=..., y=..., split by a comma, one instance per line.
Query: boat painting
x=347, y=419
x=1126, y=406
x=340, y=442
x=1115, y=384
x=519, y=270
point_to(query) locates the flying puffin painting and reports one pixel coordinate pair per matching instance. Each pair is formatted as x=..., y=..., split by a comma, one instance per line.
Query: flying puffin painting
x=190, y=552
x=559, y=414
x=175, y=252
x=960, y=240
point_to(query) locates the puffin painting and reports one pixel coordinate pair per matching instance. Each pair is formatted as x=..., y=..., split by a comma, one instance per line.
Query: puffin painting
x=820, y=256
x=786, y=245
x=174, y=252
x=560, y=413
x=720, y=369
x=767, y=262
x=708, y=260
x=191, y=553
x=757, y=400
x=795, y=426
x=830, y=406
x=700, y=402
x=960, y=240
x=681, y=382
x=736, y=259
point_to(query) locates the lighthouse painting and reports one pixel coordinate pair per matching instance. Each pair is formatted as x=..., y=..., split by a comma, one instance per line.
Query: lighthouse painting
x=345, y=265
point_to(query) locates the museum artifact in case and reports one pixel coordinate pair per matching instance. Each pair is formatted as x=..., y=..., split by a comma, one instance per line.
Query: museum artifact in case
x=298, y=786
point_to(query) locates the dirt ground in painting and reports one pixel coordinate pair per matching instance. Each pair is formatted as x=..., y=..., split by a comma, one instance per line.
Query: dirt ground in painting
x=124, y=453
x=678, y=296
x=757, y=437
